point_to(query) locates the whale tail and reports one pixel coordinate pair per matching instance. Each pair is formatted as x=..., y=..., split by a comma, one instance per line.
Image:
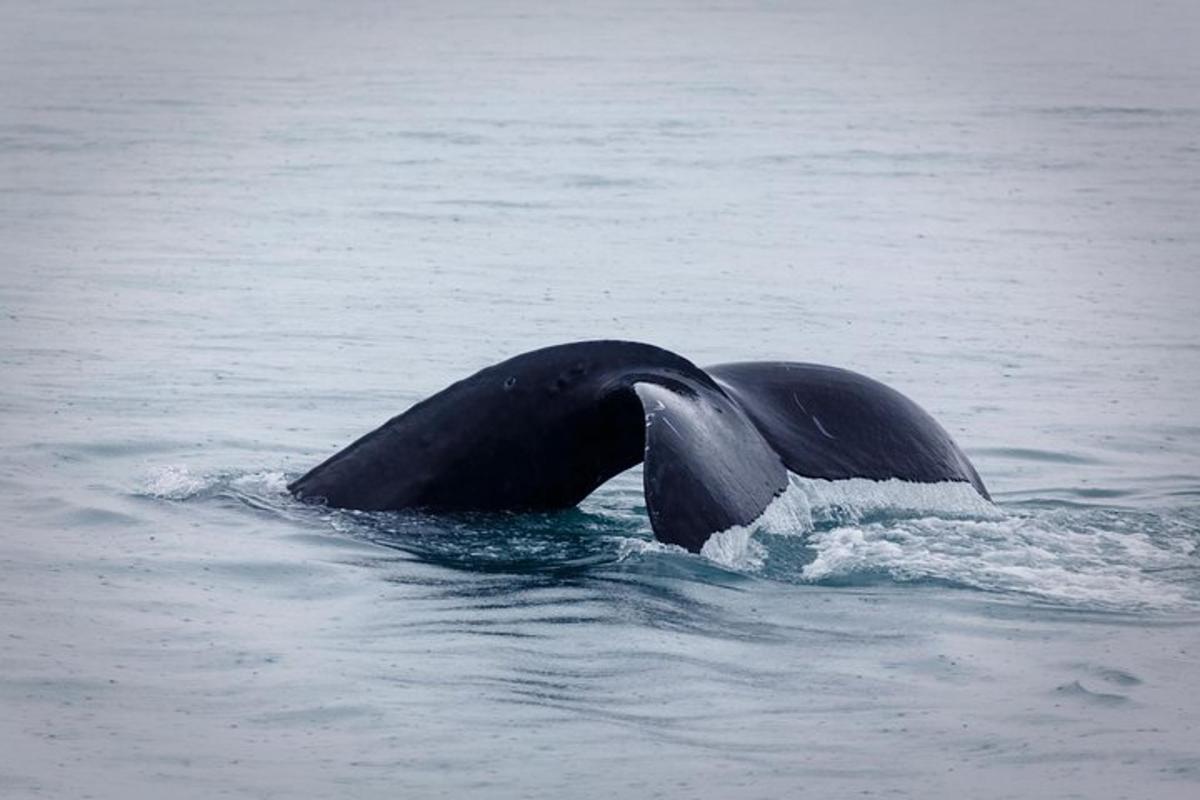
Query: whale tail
x=543, y=430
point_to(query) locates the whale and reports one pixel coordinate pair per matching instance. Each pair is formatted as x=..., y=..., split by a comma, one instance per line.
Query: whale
x=544, y=429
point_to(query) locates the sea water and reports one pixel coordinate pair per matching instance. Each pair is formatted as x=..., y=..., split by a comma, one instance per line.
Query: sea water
x=235, y=236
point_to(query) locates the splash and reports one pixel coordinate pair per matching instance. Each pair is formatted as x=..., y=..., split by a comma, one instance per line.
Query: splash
x=790, y=514
x=178, y=482
x=1092, y=558
x=861, y=499
x=174, y=482
x=809, y=503
x=856, y=531
x=265, y=483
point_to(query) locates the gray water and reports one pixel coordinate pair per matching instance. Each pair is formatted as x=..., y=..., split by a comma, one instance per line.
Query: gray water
x=235, y=236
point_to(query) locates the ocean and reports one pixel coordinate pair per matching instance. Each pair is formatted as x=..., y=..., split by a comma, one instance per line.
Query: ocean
x=236, y=236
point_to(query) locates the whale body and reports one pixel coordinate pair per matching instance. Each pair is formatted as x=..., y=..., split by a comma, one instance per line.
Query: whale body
x=543, y=430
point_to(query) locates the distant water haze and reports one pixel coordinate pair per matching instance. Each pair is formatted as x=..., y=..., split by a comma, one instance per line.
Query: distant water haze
x=236, y=236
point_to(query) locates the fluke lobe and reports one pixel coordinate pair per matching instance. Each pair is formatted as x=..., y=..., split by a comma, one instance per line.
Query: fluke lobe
x=543, y=430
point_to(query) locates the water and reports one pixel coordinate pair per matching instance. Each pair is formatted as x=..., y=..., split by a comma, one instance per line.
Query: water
x=235, y=237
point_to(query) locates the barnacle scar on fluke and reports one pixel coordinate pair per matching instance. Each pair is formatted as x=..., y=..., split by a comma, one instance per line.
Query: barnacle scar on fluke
x=543, y=430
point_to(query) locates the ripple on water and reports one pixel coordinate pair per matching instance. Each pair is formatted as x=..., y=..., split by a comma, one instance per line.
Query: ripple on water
x=834, y=533
x=1075, y=690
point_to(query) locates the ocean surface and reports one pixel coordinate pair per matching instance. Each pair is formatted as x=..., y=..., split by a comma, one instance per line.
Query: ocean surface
x=234, y=236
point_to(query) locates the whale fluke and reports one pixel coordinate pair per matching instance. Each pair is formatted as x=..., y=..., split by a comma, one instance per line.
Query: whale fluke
x=543, y=430
x=832, y=423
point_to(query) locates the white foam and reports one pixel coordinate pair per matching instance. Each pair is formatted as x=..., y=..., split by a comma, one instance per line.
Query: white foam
x=857, y=499
x=788, y=514
x=178, y=482
x=947, y=531
x=1060, y=557
x=628, y=546
x=736, y=549
x=808, y=502
x=173, y=482
x=265, y=483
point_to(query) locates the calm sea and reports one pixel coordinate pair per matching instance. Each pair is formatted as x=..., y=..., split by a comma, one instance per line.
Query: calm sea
x=236, y=235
